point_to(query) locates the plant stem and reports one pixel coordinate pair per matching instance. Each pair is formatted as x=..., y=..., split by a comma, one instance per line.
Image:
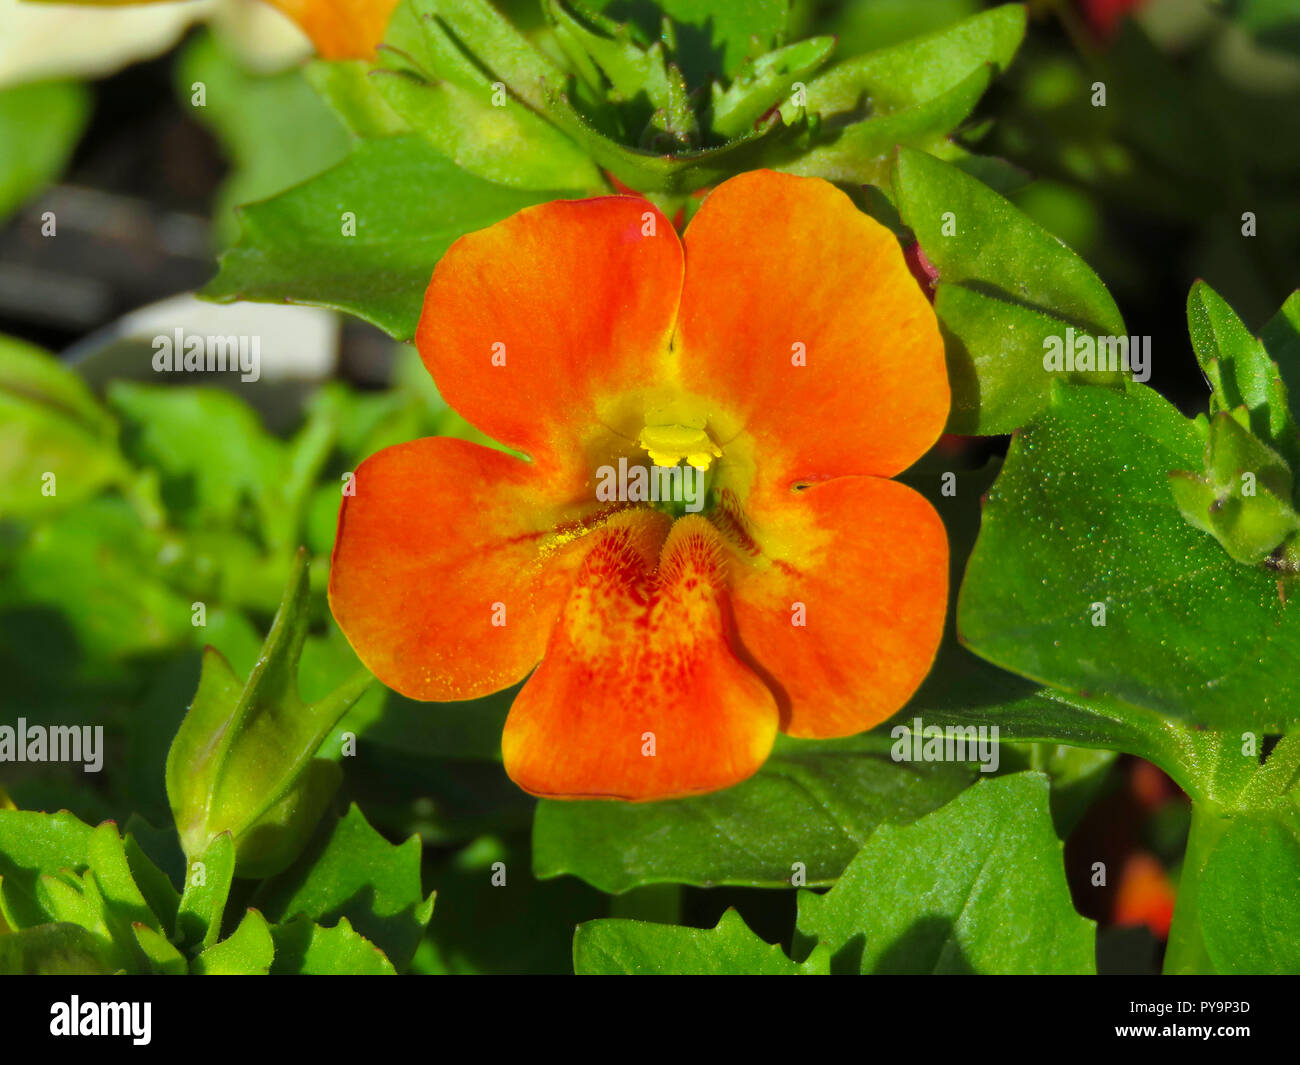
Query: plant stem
x=1187, y=952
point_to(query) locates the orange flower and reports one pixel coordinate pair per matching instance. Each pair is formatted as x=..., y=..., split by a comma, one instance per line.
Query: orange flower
x=341, y=29
x=782, y=347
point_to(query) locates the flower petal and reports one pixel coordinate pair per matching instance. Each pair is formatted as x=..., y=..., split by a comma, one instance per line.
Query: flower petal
x=575, y=299
x=451, y=564
x=774, y=262
x=838, y=593
x=638, y=652
x=341, y=29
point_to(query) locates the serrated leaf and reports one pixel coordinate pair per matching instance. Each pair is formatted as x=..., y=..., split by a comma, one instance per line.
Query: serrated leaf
x=631, y=69
x=247, y=951
x=305, y=948
x=612, y=947
x=763, y=84
x=1188, y=632
x=938, y=895
x=292, y=248
x=33, y=844
x=813, y=802
x=1008, y=266
x=353, y=872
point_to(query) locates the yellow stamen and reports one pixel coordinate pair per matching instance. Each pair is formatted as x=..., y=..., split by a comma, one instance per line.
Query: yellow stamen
x=670, y=444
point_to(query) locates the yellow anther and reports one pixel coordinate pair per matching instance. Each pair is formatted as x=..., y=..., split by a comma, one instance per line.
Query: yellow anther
x=669, y=444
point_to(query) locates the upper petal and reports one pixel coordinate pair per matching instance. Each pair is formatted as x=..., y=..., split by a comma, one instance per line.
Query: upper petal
x=838, y=596
x=782, y=270
x=536, y=327
x=640, y=695
x=450, y=566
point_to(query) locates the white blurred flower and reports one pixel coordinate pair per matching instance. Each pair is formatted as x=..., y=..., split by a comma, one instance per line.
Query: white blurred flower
x=42, y=41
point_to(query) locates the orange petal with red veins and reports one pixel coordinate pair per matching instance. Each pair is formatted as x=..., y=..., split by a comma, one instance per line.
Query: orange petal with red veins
x=782, y=268
x=451, y=564
x=838, y=593
x=529, y=324
x=640, y=657
x=341, y=29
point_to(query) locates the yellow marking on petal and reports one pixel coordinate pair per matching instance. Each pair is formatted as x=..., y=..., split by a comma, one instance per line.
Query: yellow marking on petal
x=670, y=444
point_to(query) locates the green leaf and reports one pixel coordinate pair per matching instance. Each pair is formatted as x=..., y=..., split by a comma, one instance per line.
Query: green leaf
x=247, y=951
x=616, y=55
x=978, y=886
x=813, y=802
x=1188, y=632
x=207, y=886
x=162, y=958
x=160, y=895
x=446, y=96
x=50, y=424
x=863, y=152
x=764, y=83
x=40, y=125
x=304, y=948
x=1239, y=370
x=116, y=882
x=617, y=948
x=921, y=69
x=1281, y=337
x=274, y=128
x=485, y=926
x=244, y=761
x=1007, y=290
x=292, y=248
x=354, y=873
x=721, y=34
x=56, y=949
x=97, y=567
x=32, y=845
x=1249, y=907
x=177, y=431
x=683, y=171
x=1244, y=499
x=346, y=85
x=488, y=38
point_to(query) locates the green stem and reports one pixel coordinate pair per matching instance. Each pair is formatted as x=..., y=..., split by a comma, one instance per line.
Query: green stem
x=1187, y=953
